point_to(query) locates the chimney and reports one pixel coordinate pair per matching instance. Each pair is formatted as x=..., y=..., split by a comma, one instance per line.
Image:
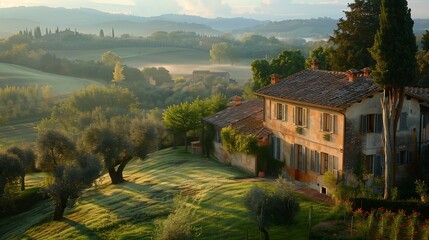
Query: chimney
x=352, y=74
x=236, y=100
x=275, y=78
x=314, y=64
x=366, y=72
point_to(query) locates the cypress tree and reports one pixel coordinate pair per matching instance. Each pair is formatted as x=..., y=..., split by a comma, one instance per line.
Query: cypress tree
x=394, y=51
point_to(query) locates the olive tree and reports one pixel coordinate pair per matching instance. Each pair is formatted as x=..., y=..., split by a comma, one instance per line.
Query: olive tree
x=26, y=159
x=71, y=170
x=120, y=140
x=10, y=170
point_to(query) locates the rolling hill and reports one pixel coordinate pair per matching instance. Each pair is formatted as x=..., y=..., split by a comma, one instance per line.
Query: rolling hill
x=128, y=210
x=14, y=75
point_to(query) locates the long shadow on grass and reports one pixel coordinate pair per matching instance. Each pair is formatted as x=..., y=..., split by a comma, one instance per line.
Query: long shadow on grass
x=83, y=230
x=135, y=202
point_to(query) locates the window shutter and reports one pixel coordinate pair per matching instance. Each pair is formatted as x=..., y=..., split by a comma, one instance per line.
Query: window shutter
x=321, y=121
x=334, y=123
x=319, y=162
x=304, y=117
x=292, y=156
x=379, y=123
x=363, y=124
x=403, y=121
x=377, y=165
x=330, y=163
x=275, y=110
x=285, y=112
x=294, y=115
x=409, y=157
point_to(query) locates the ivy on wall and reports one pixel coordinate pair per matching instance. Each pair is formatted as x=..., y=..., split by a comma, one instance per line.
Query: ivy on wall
x=234, y=141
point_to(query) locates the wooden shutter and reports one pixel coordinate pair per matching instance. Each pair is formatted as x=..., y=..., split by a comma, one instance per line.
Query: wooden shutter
x=304, y=117
x=378, y=123
x=285, y=112
x=292, y=156
x=294, y=115
x=330, y=163
x=321, y=121
x=377, y=165
x=363, y=124
x=275, y=111
x=334, y=124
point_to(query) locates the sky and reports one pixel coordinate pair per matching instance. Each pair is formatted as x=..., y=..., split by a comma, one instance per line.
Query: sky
x=274, y=10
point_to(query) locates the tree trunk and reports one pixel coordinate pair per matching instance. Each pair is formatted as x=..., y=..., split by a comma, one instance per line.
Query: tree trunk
x=23, y=182
x=113, y=175
x=391, y=105
x=265, y=232
x=121, y=168
x=60, y=207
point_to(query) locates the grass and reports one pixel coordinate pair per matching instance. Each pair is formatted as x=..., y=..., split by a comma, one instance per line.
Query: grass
x=128, y=211
x=14, y=75
x=178, y=61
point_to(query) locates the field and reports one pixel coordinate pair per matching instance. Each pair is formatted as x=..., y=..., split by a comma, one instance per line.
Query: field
x=128, y=211
x=14, y=75
x=22, y=130
x=178, y=61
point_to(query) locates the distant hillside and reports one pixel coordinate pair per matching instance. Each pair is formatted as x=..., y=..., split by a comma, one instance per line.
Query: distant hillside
x=221, y=24
x=91, y=21
x=302, y=28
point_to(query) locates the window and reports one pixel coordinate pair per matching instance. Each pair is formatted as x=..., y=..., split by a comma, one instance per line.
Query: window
x=325, y=160
x=280, y=111
x=218, y=136
x=404, y=157
x=403, y=121
x=373, y=164
x=300, y=116
x=301, y=158
x=371, y=123
x=315, y=163
x=277, y=148
x=328, y=122
x=369, y=163
x=292, y=156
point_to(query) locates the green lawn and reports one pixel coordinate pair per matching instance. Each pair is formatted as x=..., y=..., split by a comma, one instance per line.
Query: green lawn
x=128, y=211
x=14, y=75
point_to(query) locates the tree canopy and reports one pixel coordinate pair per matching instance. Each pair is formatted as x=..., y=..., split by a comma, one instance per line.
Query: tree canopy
x=26, y=159
x=394, y=51
x=285, y=64
x=72, y=170
x=355, y=35
x=425, y=41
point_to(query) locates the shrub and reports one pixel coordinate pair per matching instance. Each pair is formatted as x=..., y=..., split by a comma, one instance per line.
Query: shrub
x=341, y=210
x=279, y=207
x=178, y=225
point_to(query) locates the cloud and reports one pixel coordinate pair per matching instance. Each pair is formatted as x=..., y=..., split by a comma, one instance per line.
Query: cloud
x=205, y=8
x=114, y=2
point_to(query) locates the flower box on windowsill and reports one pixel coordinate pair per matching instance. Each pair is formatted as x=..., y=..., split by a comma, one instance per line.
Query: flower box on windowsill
x=327, y=137
x=299, y=130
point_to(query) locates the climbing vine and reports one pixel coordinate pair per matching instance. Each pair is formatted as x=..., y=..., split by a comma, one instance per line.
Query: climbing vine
x=234, y=141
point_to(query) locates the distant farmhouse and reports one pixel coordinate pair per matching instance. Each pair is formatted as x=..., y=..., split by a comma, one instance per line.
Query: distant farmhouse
x=320, y=121
x=198, y=75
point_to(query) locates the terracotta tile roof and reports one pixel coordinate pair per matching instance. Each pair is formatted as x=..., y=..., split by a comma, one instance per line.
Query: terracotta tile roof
x=321, y=88
x=418, y=92
x=246, y=117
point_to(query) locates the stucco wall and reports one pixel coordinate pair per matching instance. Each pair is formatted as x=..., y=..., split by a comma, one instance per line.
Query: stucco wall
x=312, y=138
x=241, y=160
x=372, y=143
